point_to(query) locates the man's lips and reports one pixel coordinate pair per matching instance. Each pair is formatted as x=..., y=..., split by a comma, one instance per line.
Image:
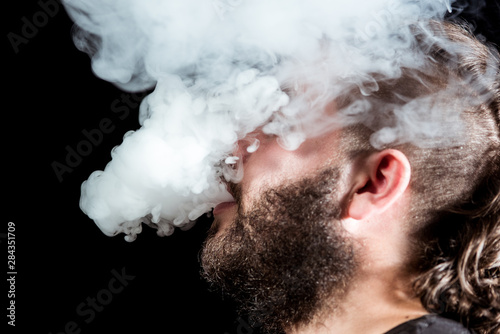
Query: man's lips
x=219, y=208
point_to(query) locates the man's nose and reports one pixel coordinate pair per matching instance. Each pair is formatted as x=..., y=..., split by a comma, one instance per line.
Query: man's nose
x=247, y=146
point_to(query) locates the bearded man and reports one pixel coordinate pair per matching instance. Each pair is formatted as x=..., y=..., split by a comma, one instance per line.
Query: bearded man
x=340, y=237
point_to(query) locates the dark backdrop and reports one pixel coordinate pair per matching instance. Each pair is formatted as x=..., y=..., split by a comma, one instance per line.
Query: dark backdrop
x=63, y=261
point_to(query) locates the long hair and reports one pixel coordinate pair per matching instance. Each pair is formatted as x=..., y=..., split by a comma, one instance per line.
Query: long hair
x=458, y=248
x=454, y=219
x=459, y=261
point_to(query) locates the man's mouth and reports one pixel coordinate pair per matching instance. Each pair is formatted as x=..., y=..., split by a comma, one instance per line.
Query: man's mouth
x=223, y=207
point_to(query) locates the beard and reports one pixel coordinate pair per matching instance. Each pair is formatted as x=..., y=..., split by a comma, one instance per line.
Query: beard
x=286, y=258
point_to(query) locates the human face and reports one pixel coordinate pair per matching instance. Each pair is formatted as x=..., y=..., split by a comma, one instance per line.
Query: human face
x=281, y=245
x=271, y=166
x=288, y=257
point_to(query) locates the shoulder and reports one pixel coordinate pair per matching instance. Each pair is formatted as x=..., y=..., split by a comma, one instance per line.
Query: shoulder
x=430, y=324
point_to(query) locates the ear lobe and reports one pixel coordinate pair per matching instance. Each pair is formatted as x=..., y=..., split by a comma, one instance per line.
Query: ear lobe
x=378, y=183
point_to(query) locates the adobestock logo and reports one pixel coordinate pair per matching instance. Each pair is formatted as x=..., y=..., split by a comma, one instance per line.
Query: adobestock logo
x=31, y=25
x=93, y=305
x=74, y=156
x=92, y=138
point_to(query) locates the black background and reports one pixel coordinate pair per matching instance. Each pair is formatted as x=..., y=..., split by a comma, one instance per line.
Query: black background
x=62, y=258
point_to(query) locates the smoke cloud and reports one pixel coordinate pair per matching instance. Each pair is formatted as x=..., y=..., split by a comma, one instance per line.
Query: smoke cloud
x=220, y=69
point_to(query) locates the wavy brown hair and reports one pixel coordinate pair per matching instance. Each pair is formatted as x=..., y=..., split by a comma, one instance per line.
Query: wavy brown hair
x=454, y=220
x=457, y=244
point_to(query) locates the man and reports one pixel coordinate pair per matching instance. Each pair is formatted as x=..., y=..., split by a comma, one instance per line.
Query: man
x=340, y=237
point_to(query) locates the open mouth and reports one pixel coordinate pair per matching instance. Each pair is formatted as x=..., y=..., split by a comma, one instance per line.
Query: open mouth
x=223, y=207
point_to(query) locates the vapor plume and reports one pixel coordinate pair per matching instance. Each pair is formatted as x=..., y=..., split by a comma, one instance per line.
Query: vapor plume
x=220, y=69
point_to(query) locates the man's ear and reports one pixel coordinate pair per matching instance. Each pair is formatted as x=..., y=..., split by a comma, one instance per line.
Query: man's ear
x=379, y=181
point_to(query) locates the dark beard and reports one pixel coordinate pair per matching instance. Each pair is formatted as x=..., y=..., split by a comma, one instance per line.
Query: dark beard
x=288, y=258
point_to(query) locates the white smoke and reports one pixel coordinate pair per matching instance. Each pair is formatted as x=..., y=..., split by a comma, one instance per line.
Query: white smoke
x=218, y=69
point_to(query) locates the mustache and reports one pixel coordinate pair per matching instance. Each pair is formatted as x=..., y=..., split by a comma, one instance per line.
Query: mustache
x=235, y=189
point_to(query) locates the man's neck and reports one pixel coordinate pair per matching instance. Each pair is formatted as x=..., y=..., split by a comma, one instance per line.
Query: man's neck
x=372, y=306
